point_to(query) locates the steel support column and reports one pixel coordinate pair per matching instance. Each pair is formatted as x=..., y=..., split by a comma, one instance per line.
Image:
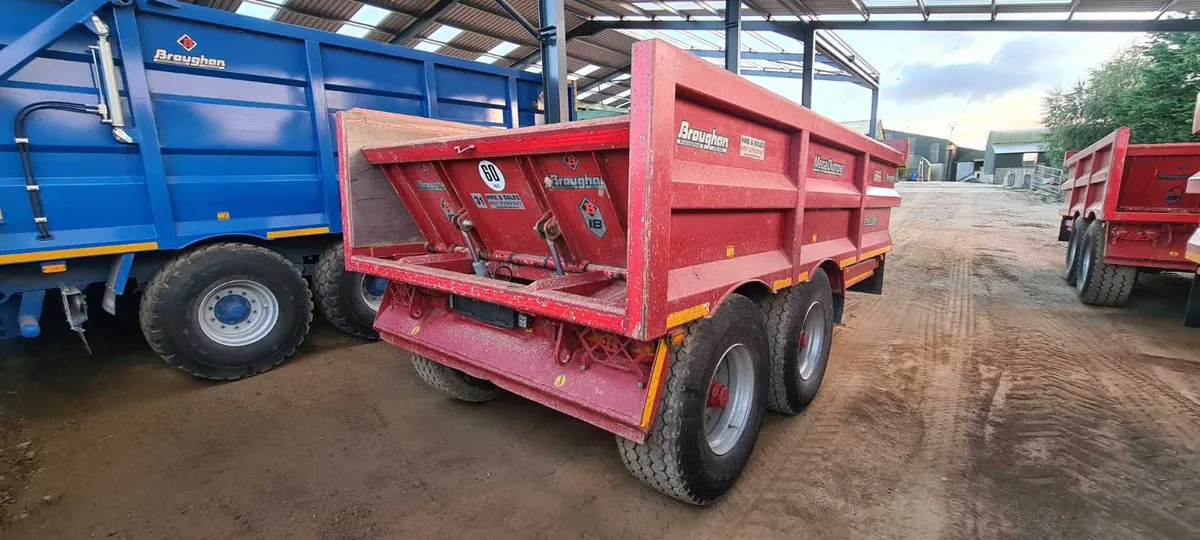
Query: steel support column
x=554, y=60
x=810, y=58
x=873, y=131
x=733, y=34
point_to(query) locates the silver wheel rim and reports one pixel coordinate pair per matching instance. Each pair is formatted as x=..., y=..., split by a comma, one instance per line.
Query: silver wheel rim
x=812, y=341
x=238, y=313
x=372, y=289
x=725, y=418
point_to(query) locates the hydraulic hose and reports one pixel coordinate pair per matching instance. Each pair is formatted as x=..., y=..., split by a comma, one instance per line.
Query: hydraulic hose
x=22, y=141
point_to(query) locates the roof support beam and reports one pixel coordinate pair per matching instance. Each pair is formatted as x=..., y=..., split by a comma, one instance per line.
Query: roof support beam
x=995, y=10
x=583, y=30
x=733, y=34
x=425, y=19
x=1074, y=6
x=1166, y=7
x=925, y=10
x=597, y=7
x=516, y=16
x=768, y=56
x=1165, y=25
x=605, y=79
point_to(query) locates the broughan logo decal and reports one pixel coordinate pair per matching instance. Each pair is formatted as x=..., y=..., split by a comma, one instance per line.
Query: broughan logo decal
x=709, y=141
x=828, y=166
x=161, y=56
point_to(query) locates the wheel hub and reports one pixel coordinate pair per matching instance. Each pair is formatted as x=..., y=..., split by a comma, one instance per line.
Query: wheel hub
x=238, y=313
x=232, y=309
x=718, y=395
x=372, y=290
x=812, y=341
x=730, y=399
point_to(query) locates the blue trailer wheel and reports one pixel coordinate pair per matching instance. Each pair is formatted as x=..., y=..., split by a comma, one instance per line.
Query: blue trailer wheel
x=348, y=300
x=226, y=311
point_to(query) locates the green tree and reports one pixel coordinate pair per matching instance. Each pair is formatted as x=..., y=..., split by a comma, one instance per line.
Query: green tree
x=1150, y=87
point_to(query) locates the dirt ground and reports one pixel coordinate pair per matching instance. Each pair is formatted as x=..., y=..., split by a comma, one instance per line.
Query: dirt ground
x=976, y=398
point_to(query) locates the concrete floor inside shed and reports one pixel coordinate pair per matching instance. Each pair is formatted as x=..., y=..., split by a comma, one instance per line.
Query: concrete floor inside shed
x=976, y=398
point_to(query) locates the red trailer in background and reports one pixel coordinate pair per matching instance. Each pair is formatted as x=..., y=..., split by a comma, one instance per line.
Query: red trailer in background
x=1129, y=210
x=665, y=276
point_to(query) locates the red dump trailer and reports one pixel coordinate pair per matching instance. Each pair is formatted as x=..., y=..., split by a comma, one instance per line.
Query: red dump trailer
x=1128, y=210
x=665, y=276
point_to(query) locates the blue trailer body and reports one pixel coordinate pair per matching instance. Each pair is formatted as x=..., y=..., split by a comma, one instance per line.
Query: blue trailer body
x=232, y=127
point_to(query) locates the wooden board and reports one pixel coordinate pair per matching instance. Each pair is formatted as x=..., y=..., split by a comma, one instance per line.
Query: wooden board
x=375, y=216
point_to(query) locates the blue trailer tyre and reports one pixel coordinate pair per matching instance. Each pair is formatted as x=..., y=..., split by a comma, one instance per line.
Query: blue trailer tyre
x=226, y=311
x=800, y=327
x=1071, y=265
x=711, y=407
x=348, y=300
x=1100, y=283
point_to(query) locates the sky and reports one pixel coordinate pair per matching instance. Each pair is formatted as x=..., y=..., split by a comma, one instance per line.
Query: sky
x=971, y=82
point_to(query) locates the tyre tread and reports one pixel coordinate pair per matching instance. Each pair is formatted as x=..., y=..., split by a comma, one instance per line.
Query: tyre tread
x=329, y=296
x=453, y=382
x=1109, y=285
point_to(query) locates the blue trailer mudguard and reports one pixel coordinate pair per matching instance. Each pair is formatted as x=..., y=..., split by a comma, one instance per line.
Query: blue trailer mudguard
x=228, y=123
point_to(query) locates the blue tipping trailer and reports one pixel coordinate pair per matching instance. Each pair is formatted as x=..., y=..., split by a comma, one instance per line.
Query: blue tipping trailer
x=189, y=154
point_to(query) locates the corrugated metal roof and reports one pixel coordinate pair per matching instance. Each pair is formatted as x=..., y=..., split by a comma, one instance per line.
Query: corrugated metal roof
x=485, y=25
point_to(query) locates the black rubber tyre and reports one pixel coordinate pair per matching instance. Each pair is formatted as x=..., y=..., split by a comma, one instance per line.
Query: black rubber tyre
x=793, y=384
x=455, y=383
x=340, y=297
x=1100, y=284
x=676, y=458
x=169, y=310
x=1071, y=264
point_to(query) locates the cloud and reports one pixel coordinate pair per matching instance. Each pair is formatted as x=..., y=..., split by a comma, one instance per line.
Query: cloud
x=1019, y=64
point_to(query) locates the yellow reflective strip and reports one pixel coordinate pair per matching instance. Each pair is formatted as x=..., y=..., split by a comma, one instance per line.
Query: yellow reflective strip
x=803, y=278
x=297, y=232
x=781, y=283
x=54, y=268
x=687, y=315
x=848, y=262
x=76, y=253
x=852, y=282
x=876, y=252
x=660, y=357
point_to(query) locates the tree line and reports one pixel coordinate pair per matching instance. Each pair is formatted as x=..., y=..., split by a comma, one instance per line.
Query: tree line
x=1151, y=87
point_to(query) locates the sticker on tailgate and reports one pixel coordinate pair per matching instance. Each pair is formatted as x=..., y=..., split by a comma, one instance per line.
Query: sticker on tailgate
x=592, y=217
x=504, y=201
x=491, y=175
x=753, y=148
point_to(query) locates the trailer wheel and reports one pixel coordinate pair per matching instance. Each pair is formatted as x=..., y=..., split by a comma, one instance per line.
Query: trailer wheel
x=453, y=382
x=1071, y=265
x=226, y=311
x=800, y=329
x=711, y=407
x=348, y=300
x=1098, y=283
